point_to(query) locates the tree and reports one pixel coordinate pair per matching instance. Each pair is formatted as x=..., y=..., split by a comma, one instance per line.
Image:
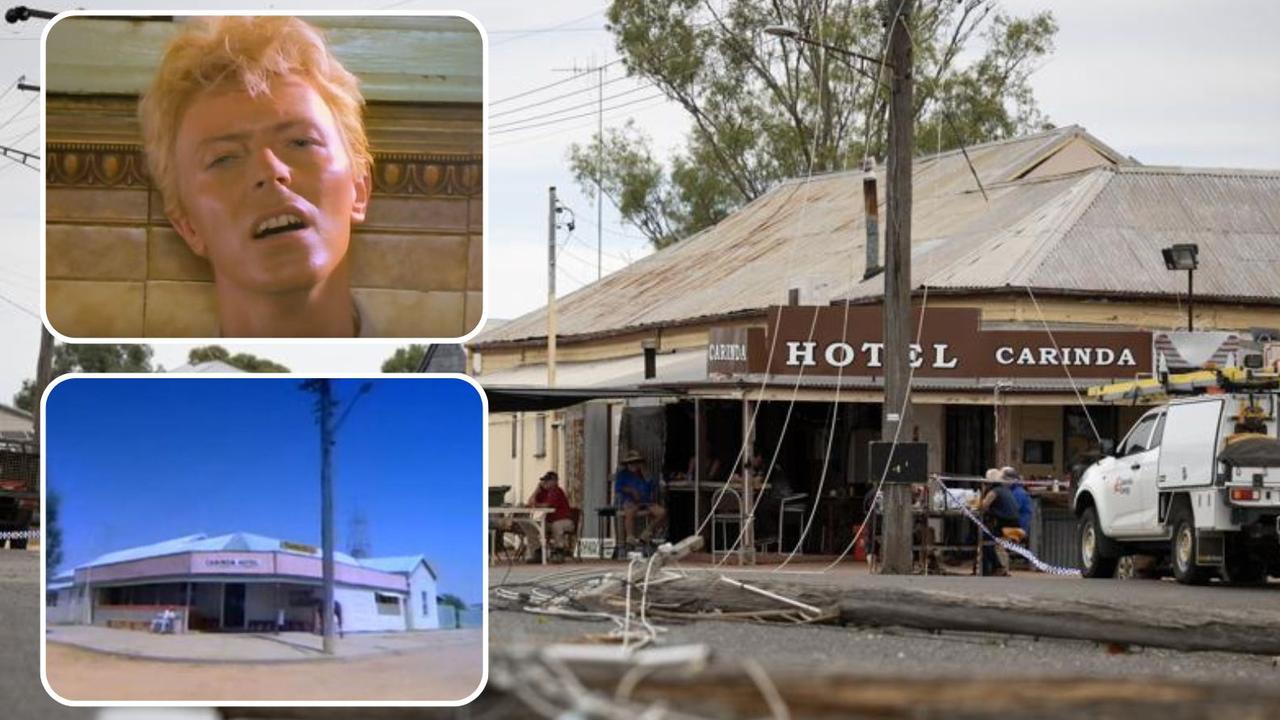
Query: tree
x=242, y=361
x=405, y=359
x=764, y=109
x=458, y=604
x=90, y=359
x=52, y=534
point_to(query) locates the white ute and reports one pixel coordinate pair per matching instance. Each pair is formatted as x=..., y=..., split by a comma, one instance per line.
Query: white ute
x=1168, y=491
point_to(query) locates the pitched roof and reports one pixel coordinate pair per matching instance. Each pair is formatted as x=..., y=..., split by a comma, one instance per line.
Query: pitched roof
x=404, y=564
x=232, y=542
x=1059, y=210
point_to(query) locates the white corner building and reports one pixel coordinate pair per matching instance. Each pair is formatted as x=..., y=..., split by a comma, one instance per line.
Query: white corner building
x=242, y=582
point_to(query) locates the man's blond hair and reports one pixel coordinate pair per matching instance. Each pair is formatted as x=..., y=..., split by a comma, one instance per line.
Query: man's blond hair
x=244, y=53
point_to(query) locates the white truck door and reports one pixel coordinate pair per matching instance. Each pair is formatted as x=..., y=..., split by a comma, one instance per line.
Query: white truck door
x=1132, y=457
x=1189, y=447
x=1146, y=492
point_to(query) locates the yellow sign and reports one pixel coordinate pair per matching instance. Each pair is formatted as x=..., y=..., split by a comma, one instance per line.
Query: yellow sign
x=298, y=547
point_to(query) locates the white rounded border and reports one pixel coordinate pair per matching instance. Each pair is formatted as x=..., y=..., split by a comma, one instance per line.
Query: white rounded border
x=486, y=200
x=160, y=377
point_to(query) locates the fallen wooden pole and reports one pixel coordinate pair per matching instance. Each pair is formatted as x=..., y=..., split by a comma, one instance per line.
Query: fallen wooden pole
x=1073, y=620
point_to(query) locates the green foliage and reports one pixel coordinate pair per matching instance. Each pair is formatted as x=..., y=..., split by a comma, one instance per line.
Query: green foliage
x=458, y=604
x=90, y=359
x=405, y=359
x=764, y=109
x=51, y=533
x=241, y=361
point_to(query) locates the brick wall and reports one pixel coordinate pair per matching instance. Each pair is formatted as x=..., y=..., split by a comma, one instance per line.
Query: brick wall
x=116, y=268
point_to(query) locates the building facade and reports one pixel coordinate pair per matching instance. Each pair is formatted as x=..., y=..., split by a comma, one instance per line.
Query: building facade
x=1040, y=279
x=243, y=582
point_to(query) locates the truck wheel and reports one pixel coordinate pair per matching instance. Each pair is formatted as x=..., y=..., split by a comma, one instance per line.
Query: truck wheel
x=1242, y=568
x=1184, y=547
x=1096, y=560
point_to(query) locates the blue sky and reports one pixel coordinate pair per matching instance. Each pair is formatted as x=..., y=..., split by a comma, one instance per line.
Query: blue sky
x=137, y=461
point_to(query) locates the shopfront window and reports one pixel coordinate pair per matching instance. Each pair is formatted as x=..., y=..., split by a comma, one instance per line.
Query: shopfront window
x=1080, y=445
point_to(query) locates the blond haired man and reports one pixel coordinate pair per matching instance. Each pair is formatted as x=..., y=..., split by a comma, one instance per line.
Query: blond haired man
x=254, y=135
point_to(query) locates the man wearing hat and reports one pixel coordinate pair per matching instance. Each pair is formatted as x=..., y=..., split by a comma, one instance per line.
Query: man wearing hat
x=560, y=520
x=633, y=494
x=999, y=511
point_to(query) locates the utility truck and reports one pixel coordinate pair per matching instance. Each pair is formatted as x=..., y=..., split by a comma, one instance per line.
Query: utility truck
x=1195, y=482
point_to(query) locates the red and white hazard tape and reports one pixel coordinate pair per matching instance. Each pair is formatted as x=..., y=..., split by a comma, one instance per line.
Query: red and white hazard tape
x=1036, y=562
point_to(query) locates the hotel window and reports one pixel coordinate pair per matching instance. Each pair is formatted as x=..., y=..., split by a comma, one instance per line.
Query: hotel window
x=540, y=436
x=387, y=604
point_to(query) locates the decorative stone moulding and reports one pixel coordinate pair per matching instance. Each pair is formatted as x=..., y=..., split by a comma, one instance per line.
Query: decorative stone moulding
x=80, y=165
x=405, y=174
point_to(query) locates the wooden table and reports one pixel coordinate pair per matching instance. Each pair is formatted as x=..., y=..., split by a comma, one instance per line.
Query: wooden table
x=532, y=513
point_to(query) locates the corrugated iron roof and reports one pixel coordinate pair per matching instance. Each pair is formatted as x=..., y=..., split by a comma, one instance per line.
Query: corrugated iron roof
x=1093, y=230
x=201, y=542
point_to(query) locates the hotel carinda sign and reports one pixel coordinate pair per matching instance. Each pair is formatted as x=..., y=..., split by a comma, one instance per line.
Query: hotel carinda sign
x=830, y=340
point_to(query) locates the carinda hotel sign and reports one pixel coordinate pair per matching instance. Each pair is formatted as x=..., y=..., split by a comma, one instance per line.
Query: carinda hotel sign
x=952, y=344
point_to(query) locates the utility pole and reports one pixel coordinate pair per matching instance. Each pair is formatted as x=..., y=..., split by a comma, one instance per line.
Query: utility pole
x=592, y=67
x=600, y=173
x=551, y=289
x=897, y=278
x=324, y=410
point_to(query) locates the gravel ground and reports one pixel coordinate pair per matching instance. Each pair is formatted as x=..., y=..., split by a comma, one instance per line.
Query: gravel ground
x=804, y=650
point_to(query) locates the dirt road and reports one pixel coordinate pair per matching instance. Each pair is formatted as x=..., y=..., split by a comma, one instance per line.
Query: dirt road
x=450, y=673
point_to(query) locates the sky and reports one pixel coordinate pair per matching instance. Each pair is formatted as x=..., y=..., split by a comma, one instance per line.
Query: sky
x=1178, y=82
x=138, y=461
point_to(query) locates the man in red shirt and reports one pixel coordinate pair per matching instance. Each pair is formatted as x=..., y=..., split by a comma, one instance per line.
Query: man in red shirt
x=560, y=519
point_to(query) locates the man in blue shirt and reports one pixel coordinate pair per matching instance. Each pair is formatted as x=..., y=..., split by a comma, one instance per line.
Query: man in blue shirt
x=634, y=495
x=1025, y=508
x=999, y=511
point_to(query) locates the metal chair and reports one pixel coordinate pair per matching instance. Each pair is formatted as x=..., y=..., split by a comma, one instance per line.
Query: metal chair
x=720, y=520
x=791, y=505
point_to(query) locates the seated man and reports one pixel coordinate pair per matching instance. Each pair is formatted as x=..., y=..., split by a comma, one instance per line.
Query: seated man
x=633, y=494
x=559, y=521
x=1026, y=507
x=999, y=510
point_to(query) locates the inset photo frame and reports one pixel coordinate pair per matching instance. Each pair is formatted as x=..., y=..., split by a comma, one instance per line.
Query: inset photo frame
x=268, y=176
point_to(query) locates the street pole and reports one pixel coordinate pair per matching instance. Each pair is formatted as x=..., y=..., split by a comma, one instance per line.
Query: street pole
x=1191, y=299
x=326, y=508
x=600, y=175
x=324, y=414
x=897, y=279
x=551, y=290
x=44, y=373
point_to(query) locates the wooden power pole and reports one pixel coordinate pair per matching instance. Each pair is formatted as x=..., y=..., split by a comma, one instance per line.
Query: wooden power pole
x=897, y=279
x=551, y=289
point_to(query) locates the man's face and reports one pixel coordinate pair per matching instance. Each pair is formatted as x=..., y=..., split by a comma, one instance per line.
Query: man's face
x=267, y=191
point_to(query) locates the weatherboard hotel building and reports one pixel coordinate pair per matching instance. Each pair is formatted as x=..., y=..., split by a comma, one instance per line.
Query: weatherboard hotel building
x=241, y=582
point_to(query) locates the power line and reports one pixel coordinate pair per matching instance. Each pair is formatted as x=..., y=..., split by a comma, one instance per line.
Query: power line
x=536, y=31
x=538, y=89
x=23, y=136
x=579, y=106
x=23, y=308
x=575, y=117
x=569, y=94
x=559, y=132
x=24, y=107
